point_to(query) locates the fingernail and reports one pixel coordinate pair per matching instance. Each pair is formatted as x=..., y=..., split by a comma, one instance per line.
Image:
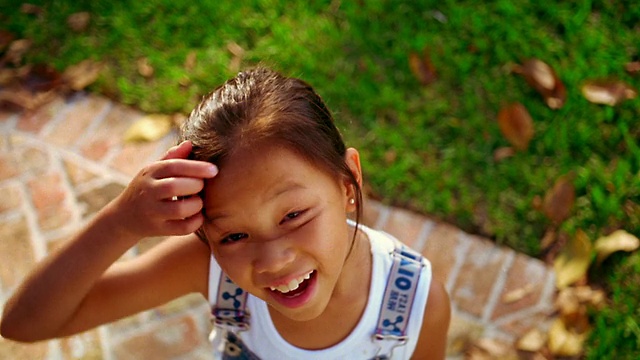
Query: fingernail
x=213, y=170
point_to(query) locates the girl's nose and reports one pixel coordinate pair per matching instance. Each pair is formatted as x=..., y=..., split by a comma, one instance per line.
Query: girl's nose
x=273, y=256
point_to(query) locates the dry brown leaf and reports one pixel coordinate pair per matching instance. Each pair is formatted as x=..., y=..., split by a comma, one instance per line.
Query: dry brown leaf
x=607, y=92
x=619, y=240
x=16, y=51
x=5, y=39
x=503, y=153
x=30, y=9
x=144, y=67
x=79, y=21
x=573, y=261
x=532, y=341
x=632, y=67
x=237, y=53
x=190, y=61
x=24, y=99
x=82, y=74
x=487, y=348
x=589, y=295
x=422, y=67
x=559, y=200
x=563, y=342
x=516, y=125
x=149, y=128
x=544, y=79
x=548, y=239
x=518, y=294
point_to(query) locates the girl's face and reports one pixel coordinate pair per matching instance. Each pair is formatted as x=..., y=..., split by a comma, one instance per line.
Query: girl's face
x=277, y=226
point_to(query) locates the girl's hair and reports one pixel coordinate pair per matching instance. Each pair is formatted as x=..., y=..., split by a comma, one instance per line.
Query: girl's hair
x=261, y=106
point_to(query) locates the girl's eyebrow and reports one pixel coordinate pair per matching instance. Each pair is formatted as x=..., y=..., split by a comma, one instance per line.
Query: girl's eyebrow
x=286, y=187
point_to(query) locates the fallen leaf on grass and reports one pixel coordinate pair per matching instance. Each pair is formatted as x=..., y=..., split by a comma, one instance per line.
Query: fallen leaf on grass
x=5, y=39
x=607, y=92
x=149, y=128
x=16, y=51
x=558, y=201
x=144, y=67
x=573, y=261
x=544, y=80
x=31, y=9
x=532, y=341
x=619, y=240
x=422, y=67
x=564, y=342
x=79, y=21
x=238, y=54
x=516, y=125
x=632, y=67
x=190, y=60
x=82, y=74
x=503, y=153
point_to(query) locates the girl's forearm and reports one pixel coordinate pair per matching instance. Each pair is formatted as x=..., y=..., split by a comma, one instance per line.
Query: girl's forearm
x=54, y=291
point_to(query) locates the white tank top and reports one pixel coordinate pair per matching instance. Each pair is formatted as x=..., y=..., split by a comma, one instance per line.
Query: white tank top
x=263, y=339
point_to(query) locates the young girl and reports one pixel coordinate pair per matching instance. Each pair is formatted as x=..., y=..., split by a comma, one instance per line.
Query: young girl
x=258, y=192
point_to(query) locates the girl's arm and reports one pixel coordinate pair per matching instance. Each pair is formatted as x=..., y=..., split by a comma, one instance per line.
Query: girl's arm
x=79, y=286
x=432, y=344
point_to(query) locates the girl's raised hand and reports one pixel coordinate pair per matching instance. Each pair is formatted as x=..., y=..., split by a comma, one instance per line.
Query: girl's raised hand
x=162, y=199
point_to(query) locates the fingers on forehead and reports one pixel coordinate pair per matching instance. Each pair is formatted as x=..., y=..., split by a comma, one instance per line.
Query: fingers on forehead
x=184, y=168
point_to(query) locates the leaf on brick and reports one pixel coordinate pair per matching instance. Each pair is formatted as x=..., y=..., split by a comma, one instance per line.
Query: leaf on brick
x=149, y=128
x=518, y=294
x=619, y=240
x=573, y=261
x=607, y=92
x=533, y=341
x=559, y=200
x=544, y=80
x=516, y=125
x=422, y=67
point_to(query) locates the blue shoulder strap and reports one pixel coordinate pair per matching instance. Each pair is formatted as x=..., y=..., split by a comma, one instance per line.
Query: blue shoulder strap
x=229, y=312
x=397, y=302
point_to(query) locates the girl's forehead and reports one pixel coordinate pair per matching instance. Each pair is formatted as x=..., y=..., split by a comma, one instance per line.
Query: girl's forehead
x=259, y=174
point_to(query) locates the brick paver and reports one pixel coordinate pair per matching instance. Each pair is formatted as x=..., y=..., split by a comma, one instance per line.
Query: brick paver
x=63, y=162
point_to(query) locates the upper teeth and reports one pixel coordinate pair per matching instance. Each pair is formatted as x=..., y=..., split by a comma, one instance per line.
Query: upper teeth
x=293, y=284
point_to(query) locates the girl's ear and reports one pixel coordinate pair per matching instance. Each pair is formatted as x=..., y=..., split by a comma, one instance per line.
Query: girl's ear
x=352, y=159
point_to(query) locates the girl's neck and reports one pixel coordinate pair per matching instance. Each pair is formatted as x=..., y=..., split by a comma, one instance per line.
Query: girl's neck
x=345, y=308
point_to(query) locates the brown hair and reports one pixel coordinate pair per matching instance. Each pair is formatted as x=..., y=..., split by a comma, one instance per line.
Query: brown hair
x=261, y=105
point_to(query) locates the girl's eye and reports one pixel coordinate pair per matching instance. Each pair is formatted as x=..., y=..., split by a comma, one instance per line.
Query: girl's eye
x=234, y=238
x=291, y=216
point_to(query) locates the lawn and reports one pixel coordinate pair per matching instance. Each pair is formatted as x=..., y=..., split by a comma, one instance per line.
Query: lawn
x=430, y=147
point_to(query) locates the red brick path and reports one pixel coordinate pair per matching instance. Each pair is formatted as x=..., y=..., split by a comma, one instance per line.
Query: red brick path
x=61, y=164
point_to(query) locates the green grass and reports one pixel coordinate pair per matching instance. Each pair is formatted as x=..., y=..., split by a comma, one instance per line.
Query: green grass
x=426, y=148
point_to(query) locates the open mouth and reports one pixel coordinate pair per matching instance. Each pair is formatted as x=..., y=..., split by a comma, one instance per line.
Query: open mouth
x=295, y=287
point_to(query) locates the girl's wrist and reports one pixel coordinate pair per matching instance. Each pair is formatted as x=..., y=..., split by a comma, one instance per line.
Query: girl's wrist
x=113, y=220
